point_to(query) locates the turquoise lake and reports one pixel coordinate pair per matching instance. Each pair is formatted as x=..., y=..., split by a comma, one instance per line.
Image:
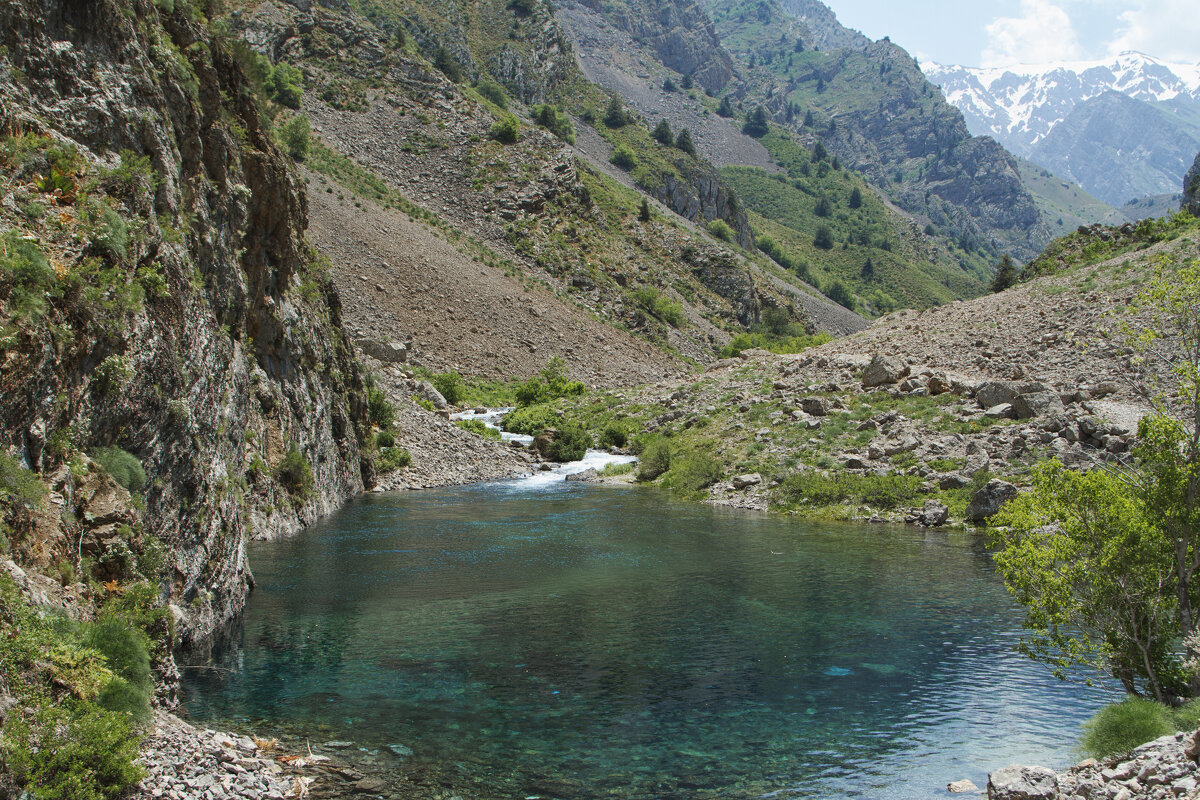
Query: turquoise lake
x=565, y=640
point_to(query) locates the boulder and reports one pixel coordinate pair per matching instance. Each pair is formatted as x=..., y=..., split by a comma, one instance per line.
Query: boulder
x=962, y=787
x=1023, y=783
x=884, y=371
x=746, y=481
x=905, y=444
x=939, y=384
x=988, y=501
x=1038, y=404
x=1001, y=411
x=977, y=459
x=426, y=391
x=387, y=352
x=587, y=476
x=933, y=515
x=953, y=480
x=816, y=406
x=995, y=393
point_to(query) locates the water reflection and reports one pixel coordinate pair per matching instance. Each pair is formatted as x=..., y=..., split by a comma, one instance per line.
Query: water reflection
x=615, y=643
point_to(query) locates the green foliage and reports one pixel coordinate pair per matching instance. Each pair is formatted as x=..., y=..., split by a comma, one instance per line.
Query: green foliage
x=1006, y=274
x=725, y=108
x=62, y=754
x=658, y=305
x=451, y=386
x=550, y=383
x=529, y=420
x=654, y=459
x=823, y=238
x=885, y=492
x=295, y=136
x=1086, y=247
x=111, y=375
x=285, y=85
x=856, y=198
x=781, y=344
x=570, y=443
x=616, y=116
x=623, y=157
x=684, y=142
x=553, y=120
x=692, y=472
x=126, y=650
x=493, y=92
x=394, y=458
x=507, y=129
x=380, y=410
x=523, y=8
x=135, y=173
x=663, y=134
x=823, y=208
x=613, y=470
x=615, y=434
x=448, y=65
x=644, y=211
x=26, y=274
x=123, y=466
x=478, y=428
x=669, y=86
x=839, y=293
x=110, y=233
x=385, y=439
x=296, y=475
x=1120, y=727
x=720, y=229
x=757, y=124
x=17, y=484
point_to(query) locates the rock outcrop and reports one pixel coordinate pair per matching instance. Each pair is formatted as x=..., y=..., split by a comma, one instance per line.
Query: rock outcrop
x=193, y=328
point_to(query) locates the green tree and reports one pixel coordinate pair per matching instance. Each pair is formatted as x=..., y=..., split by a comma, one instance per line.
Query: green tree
x=757, y=123
x=819, y=152
x=644, y=211
x=725, y=108
x=615, y=116
x=684, y=142
x=1106, y=562
x=295, y=135
x=669, y=86
x=1006, y=274
x=687, y=81
x=448, y=65
x=823, y=238
x=856, y=198
x=663, y=134
x=823, y=208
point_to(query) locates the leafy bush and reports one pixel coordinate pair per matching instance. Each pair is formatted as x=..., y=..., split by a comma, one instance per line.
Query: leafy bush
x=450, y=385
x=615, y=116
x=773, y=343
x=295, y=136
x=655, y=459
x=692, y=472
x=394, y=458
x=507, y=129
x=659, y=305
x=614, y=435
x=570, y=443
x=720, y=229
x=623, y=157
x=1118, y=728
x=757, y=123
x=379, y=409
x=384, y=439
x=477, y=427
x=613, y=470
x=550, y=118
x=296, y=475
x=663, y=134
x=285, y=85
x=493, y=92
x=126, y=650
x=123, y=466
x=529, y=420
x=27, y=274
x=840, y=294
x=18, y=484
x=448, y=65
x=73, y=754
x=550, y=383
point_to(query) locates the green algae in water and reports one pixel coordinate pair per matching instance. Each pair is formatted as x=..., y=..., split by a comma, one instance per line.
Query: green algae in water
x=582, y=642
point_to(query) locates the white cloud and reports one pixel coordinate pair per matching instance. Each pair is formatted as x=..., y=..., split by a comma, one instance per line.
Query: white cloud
x=1167, y=29
x=1043, y=32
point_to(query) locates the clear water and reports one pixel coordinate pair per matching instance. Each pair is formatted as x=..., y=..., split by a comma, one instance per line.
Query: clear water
x=576, y=641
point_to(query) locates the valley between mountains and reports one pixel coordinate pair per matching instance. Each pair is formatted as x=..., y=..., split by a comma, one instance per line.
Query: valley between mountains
x=264, y=261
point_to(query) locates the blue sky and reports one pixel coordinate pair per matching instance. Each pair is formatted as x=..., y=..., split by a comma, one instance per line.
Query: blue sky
x=1005, y=32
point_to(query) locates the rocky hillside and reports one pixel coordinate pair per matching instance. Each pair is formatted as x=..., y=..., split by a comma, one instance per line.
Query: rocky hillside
x=1191, y=189
x=162, y=312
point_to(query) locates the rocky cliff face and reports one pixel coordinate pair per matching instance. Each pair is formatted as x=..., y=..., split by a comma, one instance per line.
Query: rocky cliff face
x=1191, y=189
x=679, y=32
x=186, y=322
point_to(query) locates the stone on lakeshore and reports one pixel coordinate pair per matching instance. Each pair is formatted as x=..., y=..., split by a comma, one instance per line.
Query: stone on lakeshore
x=990, y=499
x=746, y=481
x=962, y=787
x=884, y=371
x=1023, y=783
x=934, y=514
x=587, y=476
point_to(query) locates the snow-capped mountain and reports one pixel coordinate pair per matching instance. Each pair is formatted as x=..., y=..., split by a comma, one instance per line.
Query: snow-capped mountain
x=1123, y=128
x=1020, y=105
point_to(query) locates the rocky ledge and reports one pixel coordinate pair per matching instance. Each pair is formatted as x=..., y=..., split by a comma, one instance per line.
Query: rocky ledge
x=1164, y=768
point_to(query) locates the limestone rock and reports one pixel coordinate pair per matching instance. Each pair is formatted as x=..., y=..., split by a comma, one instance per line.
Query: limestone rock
x=884, y=371
x=587, y=476
x=1001, y=411
x=1023, y=783
x=934, y=514
x=1037, y=404
x=1191, y=190
x=816, y=406
x=989, y=500
x=995, y=393
x=746, y=481
x=962, y=787
x=426, y=390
